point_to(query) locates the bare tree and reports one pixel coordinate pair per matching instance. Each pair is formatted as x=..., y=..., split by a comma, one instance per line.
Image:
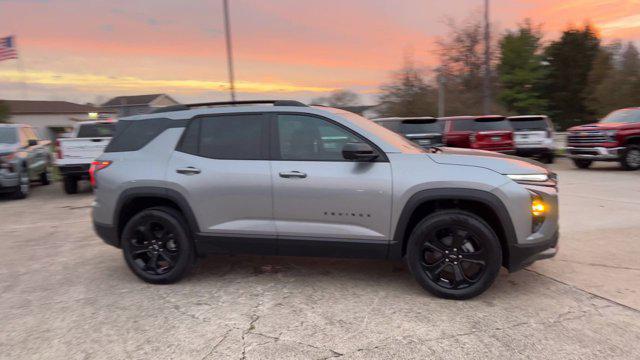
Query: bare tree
x=338, y=98
x=408, y=93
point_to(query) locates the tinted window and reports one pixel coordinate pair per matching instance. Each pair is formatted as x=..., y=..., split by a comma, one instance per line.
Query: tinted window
x=8, y=135
x=132, y=135
x=623, y=116
x=530, y=123
x=239, y=137
x=303, y=137
x=96, y=130
x=420, y=126
x=481, y=125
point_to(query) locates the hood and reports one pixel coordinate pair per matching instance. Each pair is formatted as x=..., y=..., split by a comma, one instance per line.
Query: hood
x=598, y=126
x=500, y=163
x=8, y=148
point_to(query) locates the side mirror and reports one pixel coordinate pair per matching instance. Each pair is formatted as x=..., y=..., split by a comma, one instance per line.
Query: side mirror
x=32, y=142
x=359, y=152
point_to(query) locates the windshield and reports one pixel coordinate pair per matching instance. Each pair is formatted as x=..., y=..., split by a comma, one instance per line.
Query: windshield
x=528, y=123
x=623, y=116
x=420, y=126
x=96, y=130
x=8, y=135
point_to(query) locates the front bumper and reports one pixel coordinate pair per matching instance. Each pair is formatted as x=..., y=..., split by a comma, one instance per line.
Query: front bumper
x=8, y=181
x=521, y=255
x=594, y=153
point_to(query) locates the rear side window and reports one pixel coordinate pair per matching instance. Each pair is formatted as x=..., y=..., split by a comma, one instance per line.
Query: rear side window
x=529, y=123
x=132, y=135
x=227, y=137
x=96, y=130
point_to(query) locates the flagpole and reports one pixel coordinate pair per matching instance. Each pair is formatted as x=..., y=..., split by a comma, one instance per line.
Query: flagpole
x=227, y=31
x=20, y=67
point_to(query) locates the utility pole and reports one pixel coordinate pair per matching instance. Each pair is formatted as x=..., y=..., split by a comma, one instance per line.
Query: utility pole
x=441, y=100
x=486, y=86
x=227, y=31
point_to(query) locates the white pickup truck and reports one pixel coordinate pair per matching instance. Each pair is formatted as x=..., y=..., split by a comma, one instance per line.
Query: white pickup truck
x=76, y=153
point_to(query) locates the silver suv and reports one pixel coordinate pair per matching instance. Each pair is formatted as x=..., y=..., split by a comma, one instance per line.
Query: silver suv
x=282, y=178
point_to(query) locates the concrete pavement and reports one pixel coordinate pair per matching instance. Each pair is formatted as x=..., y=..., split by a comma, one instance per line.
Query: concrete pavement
x=66, y=295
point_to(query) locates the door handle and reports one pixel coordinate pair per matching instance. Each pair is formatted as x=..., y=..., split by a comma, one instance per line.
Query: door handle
x=293, y=174
x=189, y=170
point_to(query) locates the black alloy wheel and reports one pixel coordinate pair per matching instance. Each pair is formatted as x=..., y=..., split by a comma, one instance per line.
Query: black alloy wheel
x=453, y=257
x=156, y=245
x=454, y=254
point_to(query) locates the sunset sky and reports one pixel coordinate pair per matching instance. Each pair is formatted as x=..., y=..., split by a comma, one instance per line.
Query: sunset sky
x=90, y=50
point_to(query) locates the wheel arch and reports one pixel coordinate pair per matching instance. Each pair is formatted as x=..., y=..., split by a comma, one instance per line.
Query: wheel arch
x=134, y=200
x=632, y=140
x=482, y=203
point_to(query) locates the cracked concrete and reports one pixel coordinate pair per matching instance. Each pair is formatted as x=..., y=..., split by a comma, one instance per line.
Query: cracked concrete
x=65, y=295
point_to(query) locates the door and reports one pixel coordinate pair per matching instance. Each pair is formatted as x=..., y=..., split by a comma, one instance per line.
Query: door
x=220, y=166
x=317, y=194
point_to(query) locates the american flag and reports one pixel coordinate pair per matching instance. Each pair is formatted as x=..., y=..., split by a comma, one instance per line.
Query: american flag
x=8, y=48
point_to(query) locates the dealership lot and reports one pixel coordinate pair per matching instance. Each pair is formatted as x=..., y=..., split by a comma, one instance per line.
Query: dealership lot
x=65, y=294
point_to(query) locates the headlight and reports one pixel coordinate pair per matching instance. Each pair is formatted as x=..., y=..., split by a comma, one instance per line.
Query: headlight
x=529, y=177
x=611, y=134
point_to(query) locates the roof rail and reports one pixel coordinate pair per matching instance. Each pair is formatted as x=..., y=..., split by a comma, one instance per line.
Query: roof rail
x=228, y=103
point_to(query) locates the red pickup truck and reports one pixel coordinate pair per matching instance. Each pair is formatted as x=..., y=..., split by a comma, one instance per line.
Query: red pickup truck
x=488, y=132
x=615, y=138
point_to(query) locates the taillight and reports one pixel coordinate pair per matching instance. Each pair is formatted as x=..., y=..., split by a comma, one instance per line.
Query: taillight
x=95, y=167
x=58, y=149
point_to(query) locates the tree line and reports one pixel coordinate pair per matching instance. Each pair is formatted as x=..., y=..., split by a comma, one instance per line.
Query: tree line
x=574, y=79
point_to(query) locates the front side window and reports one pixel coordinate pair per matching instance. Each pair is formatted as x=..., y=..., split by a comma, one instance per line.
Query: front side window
x=303, y=137
x=238, y=137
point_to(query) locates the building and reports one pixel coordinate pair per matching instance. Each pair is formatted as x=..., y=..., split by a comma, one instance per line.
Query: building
x=138, y=104
x=52, y=117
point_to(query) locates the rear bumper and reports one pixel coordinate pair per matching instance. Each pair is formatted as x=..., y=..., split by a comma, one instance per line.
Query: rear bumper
x=74, y=169
x=521, y=256
x=594, y=153
x=108, y=233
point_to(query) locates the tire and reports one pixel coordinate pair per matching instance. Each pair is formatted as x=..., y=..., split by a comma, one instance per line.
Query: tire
x=549, y=158
x=449, y=270
x=24, y=186
x=45, y=178
x=70, y=184
x=630, y=159
x=158, y=233
x=582, y=163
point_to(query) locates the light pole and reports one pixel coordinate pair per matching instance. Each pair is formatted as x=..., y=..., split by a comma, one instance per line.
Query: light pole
x=441, y=100
x=486, y=85
x=227, y=31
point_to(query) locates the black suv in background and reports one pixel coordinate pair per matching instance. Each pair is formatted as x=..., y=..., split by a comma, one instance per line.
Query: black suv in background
x=425, y=131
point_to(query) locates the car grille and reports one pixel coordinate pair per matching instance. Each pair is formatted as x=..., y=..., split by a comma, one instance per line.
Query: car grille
x=587, y=137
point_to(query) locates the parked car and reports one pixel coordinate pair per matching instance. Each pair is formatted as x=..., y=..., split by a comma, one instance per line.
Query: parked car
x=490, y=132
x=425, y=131
x=76, y=152
x=24, y=157
x=615, y=138
x=533, y=135
x=289, y=179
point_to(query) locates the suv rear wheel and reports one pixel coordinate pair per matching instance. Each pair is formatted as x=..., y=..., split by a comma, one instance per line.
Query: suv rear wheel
x=70, y=184
x=454, y=254
x=157, y=247
x=582, y=163
x=631, y=158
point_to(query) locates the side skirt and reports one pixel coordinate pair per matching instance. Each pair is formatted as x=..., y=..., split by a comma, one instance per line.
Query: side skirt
x=314, y=247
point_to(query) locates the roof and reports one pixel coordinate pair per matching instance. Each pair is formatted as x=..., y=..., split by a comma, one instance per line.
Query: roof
x=134, y=100
x=469, y=117
x=17, y=107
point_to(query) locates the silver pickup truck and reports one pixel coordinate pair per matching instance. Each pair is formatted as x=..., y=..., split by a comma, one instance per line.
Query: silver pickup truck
x=75, y=153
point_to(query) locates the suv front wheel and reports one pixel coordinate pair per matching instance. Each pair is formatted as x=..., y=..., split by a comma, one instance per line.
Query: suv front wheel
x=631, y=158
x=454, y=254
x=157, y=247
